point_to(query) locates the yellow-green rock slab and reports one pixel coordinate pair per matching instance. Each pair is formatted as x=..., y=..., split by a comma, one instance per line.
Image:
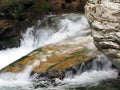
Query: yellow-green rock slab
x=59, y=56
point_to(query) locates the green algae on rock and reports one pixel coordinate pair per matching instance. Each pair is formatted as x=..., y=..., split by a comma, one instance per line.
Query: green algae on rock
x=56, y=57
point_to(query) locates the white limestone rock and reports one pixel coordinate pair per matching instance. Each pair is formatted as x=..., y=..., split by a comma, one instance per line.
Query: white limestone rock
x=104, y=18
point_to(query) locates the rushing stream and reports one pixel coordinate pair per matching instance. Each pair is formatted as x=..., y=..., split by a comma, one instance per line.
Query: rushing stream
x=52, y=30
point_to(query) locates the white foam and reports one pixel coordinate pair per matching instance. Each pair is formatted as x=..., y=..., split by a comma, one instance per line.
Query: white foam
x=21, y=79
x=69, y=29
x=92, y=77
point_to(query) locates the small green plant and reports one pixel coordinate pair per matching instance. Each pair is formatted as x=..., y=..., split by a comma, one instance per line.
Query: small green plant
x=16, y=11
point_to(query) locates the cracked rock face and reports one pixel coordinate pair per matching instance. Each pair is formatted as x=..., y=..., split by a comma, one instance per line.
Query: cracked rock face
x=104, y=18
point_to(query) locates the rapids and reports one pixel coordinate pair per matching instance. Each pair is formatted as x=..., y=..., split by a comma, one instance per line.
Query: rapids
x=51, y=30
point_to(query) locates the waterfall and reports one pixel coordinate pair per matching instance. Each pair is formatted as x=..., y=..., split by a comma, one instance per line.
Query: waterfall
x=51, y=30
x=56, y=30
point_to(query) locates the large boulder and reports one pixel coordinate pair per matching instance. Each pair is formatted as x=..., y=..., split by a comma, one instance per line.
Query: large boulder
x=104, y=18
x=54, y=58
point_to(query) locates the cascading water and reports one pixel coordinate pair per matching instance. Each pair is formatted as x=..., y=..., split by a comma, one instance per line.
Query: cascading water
x=47, y=33
x=52, y=30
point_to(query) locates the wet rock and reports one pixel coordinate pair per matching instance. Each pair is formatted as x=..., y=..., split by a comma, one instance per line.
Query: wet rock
x=49, y=78
x=104, y=18
x=9, y=34
x=54, y=60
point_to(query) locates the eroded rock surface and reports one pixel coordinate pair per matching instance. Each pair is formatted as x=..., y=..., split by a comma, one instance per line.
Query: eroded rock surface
x=104, y=17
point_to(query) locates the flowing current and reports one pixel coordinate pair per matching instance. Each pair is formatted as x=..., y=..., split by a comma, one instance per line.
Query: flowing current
x=51, y=30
